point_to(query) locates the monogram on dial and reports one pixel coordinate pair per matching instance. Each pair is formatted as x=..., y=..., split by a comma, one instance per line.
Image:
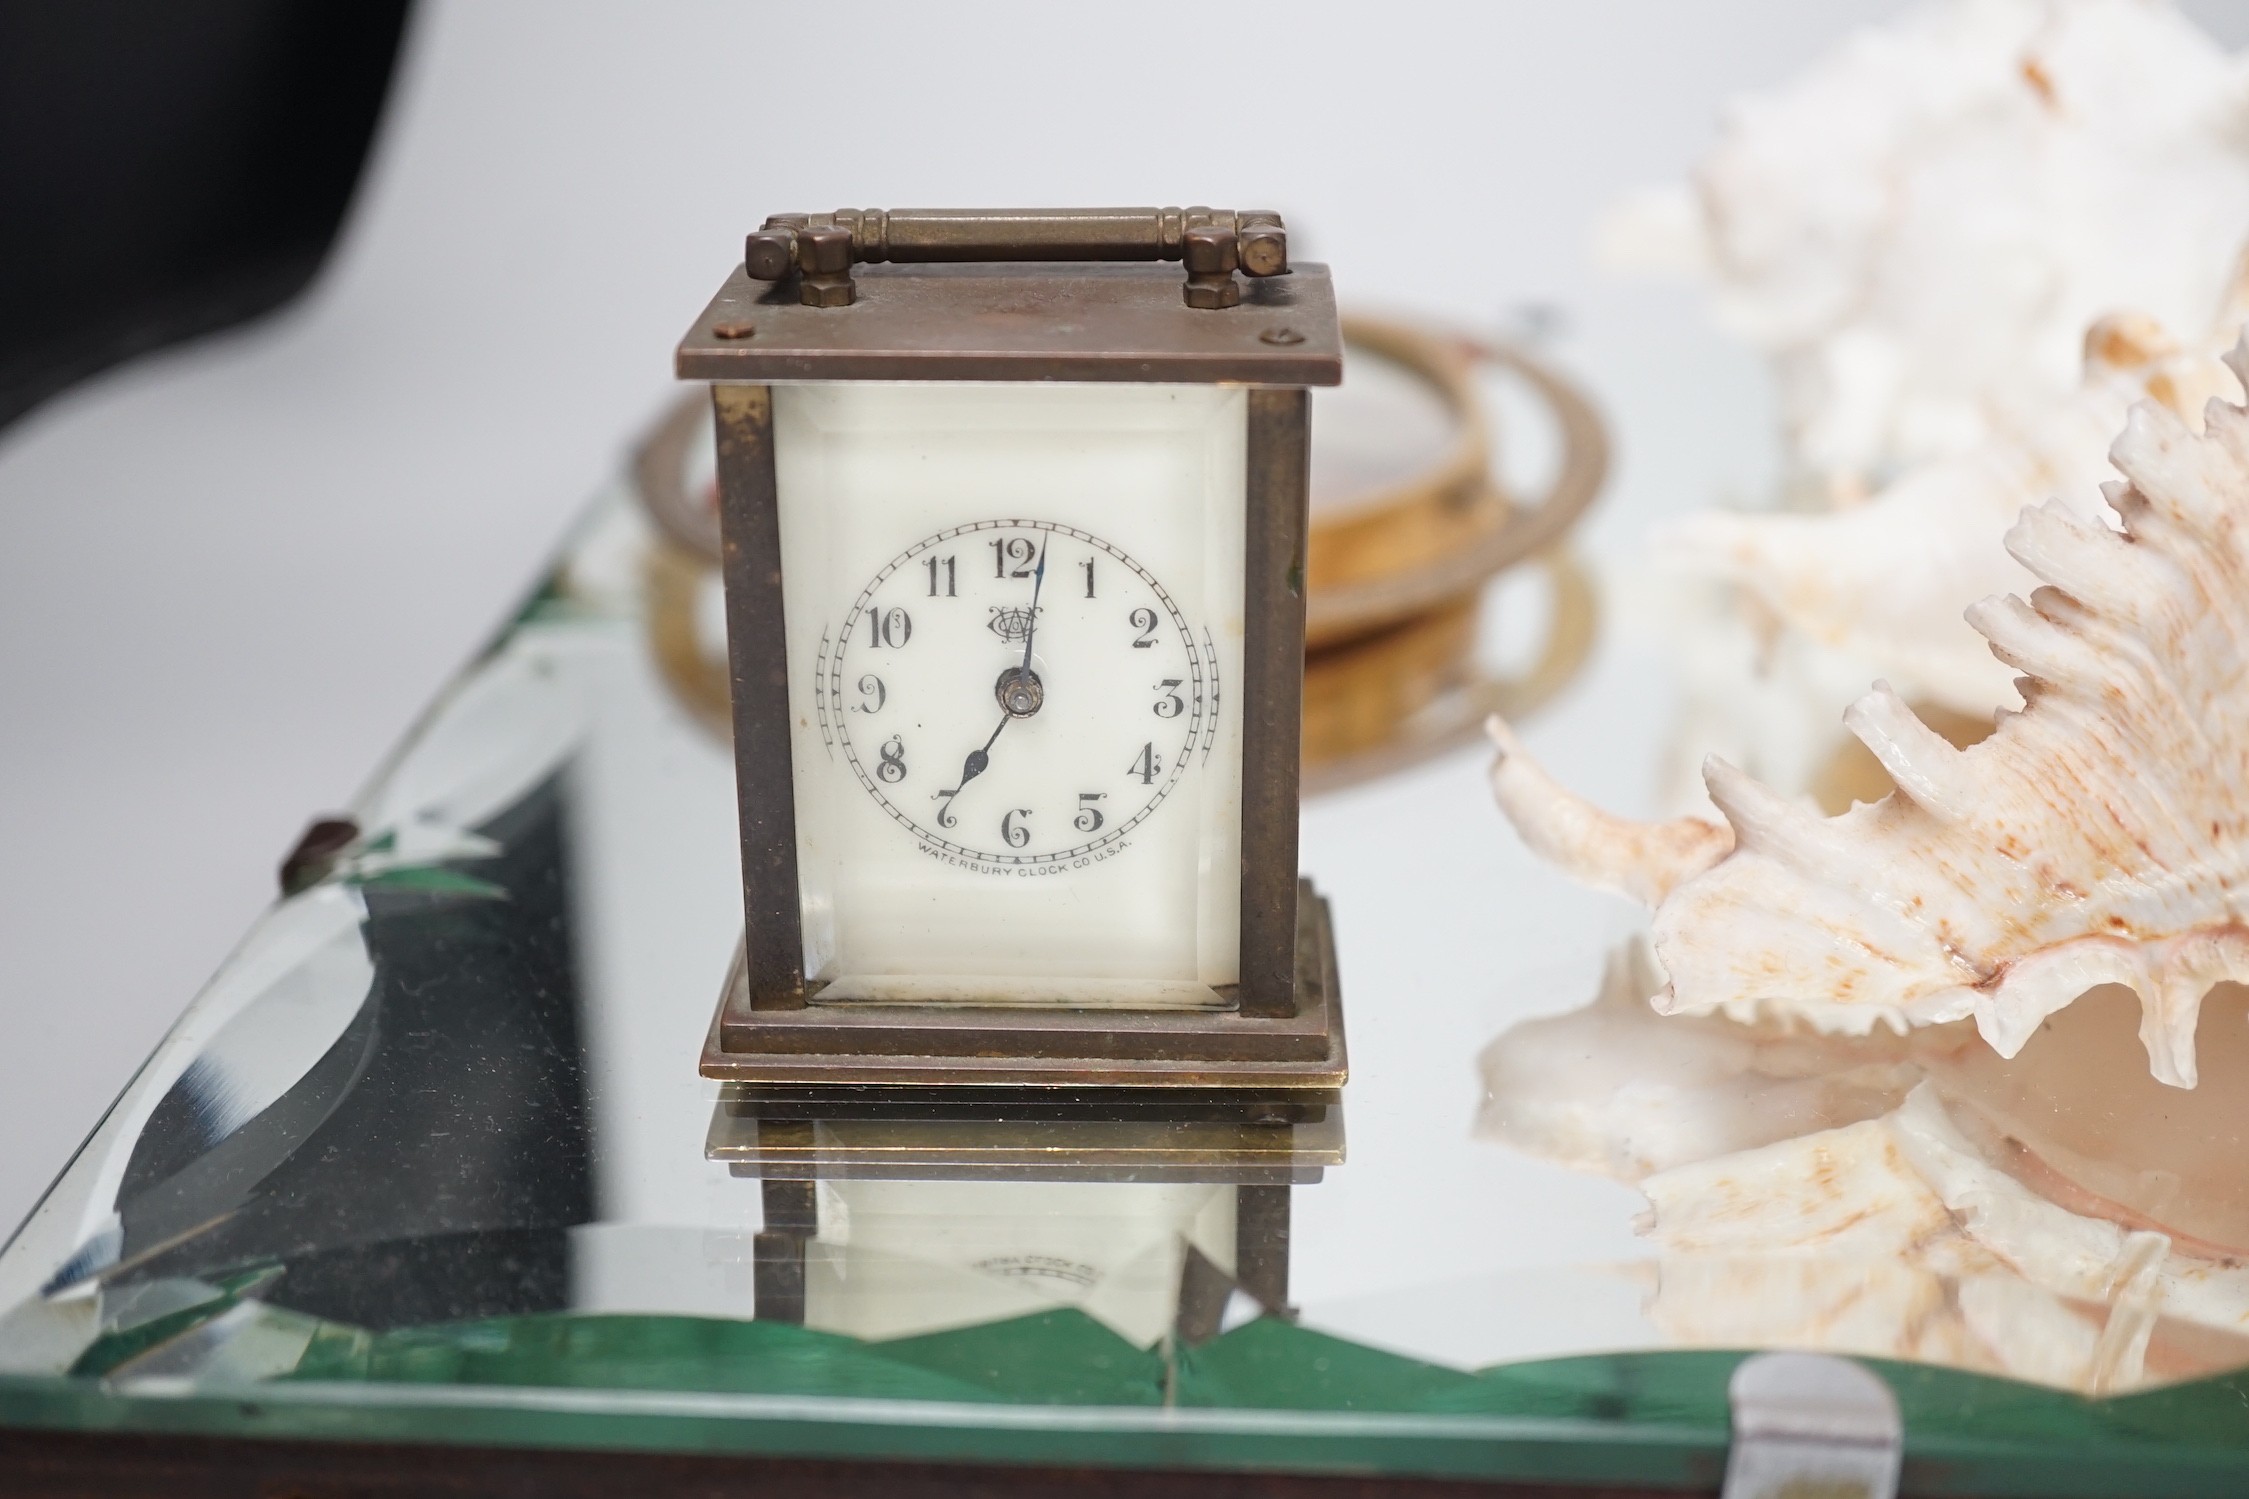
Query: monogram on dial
x=1019, y=696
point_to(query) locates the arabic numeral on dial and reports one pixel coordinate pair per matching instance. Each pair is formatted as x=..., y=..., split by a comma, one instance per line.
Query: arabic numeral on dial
x=893, y=766
x=1144, y=620
x=1088, y=566
x=871, y=688
x=1012, y=556
x=1147, y=765
x=944, y=800
x=891, y=628
x=1014, y=832
x=1089, y=818
x=1169, y=704
x=946, y=564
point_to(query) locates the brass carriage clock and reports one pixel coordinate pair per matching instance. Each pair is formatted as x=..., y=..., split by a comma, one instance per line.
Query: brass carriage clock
x=1014, y=530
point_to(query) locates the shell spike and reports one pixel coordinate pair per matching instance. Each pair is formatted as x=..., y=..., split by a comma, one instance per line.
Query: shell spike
x=2029, y=641
x=2167, y=1022
x=1766, y=822
x=2237, y=360
x=2227, y=425
x=1925, y=766
x=2072, y=554
x=1643, y=860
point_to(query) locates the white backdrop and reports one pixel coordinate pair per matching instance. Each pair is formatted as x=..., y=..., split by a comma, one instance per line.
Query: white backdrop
x=230, y=575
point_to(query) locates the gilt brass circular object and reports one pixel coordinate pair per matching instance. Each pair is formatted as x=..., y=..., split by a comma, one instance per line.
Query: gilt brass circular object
x=1410, y=521
x=1408, y=513
x=1389, y=700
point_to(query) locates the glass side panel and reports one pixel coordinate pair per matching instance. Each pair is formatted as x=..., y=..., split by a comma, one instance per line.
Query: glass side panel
x=430, y=1160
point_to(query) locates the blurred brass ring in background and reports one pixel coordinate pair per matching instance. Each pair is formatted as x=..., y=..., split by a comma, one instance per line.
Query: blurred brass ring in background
x=659, y=474
x=1427, y=541
x=1395, y=698
x=675, y=578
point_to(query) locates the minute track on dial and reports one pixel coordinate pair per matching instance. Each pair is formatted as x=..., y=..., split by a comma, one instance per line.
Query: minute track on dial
x=1085, y=770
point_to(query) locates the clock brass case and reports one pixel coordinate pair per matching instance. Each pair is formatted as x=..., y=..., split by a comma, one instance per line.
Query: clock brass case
x=1040, y=299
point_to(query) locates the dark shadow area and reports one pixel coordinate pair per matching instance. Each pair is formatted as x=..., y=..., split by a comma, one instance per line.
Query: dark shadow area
x=167, y=170
x=429, y=1167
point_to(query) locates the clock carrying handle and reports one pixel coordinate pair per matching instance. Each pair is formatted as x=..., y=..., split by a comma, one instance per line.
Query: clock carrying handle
x=819, y=249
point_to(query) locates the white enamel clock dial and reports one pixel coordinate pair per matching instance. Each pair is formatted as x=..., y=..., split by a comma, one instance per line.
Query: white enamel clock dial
x=1014, y=622
x=982, y=690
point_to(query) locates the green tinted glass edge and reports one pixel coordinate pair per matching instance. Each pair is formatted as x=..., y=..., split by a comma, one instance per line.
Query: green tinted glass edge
x=1268, y=1396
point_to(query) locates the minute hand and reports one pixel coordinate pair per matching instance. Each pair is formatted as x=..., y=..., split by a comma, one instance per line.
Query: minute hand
x=1031, y=630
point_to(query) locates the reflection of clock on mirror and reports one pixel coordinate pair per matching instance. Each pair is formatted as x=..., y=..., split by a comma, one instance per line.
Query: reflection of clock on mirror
x=1014, y=563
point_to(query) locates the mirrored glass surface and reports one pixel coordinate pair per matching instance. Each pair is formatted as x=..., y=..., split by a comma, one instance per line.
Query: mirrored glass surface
x=431, y=1158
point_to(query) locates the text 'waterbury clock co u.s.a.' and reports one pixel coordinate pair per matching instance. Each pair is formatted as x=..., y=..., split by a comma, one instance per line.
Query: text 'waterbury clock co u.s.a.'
x=1014, y=528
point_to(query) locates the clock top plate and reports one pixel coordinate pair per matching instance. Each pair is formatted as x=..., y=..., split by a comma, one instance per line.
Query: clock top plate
x=1063, y=320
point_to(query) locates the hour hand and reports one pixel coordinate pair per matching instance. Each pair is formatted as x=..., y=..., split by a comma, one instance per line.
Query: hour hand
x=976, y=763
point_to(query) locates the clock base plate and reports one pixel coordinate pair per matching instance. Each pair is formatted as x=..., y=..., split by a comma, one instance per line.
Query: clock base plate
x=954, y=1046
x=1005, y=1146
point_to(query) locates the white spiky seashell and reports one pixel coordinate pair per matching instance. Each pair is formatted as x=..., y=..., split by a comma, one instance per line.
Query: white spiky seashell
x=1885, y=582
x=1615, y=1089
x=1851, y=1237
x=2098, y=836
x=1918, y=228
x=1910, y=1180
x=1905, y=1197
